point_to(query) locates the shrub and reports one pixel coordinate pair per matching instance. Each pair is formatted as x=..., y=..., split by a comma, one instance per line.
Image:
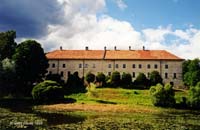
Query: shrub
x=163, y=96
x=155, y=78
x=194, y=97
x=90, y=77
x=126, y=80
x=47, y=91
x=101, y=78
x=75, y=84
x=141, y=81
x=115, y=79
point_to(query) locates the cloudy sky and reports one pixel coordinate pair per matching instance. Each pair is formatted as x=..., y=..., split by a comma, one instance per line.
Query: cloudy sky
x=173, y=25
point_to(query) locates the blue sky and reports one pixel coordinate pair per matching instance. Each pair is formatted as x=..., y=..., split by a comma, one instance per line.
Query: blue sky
x=172, y=25
x=153, y=13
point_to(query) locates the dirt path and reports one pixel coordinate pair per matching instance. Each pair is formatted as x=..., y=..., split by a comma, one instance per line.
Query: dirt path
x=98, y=108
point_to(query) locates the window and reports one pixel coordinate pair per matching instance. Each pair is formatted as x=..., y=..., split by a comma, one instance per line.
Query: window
x=86, y=66
x=64, y=66
x=109, y=73
x=140, y=66
x=166, y=75
x=174, y=75
x=80, y=65
x=133, y=65
x=155, y=66
x=133, y=74
x=148, y=66
x=109, y=65
x=68, y=73
x=116, y=66
x=124, y=65
x=93, y=66
x=166, y=66
x=53, y=65
x=61, y=73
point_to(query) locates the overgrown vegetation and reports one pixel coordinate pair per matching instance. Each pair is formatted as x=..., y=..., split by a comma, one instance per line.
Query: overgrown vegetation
x=47, y=91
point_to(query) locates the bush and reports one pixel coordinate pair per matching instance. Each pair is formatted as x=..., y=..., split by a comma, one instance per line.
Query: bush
x=163, y=96
x=194, y=97
x=126, y=80
x=155, y=78
x=115, y=79
x=101, y=79
x=47, y=91
x=75, y=84
x=141, y=81
x=90, y=77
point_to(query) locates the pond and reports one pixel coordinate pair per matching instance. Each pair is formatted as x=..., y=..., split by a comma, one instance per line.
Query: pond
x=16, y=116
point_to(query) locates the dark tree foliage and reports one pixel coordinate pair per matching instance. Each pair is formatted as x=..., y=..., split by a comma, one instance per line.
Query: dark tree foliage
x=191, y=72
x=74, y=84
x=90, y=77
x=47, y=91
x=126, y=80
x=7, y=77
x=141, y=81
x=194, y=97
x=55, y=77
x=115, y=79
x=101, y=78
x=163, y=95
x=30, y=64
x=7, y=44
x=155, y=78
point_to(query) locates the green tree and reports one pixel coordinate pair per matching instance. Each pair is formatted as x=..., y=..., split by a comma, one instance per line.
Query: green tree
x=126, y=80
x=47, y=91
x=163, y=95
x=155, y=78
x=30, y=64
x=7, y=76
x=101, y=78
x=141, y=81
x=7, y=44
x=90, y=77
x=194, y=97
x=191, y=72
x=115, y=79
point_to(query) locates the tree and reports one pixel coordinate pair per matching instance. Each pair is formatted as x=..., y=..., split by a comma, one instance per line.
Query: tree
x=126, y=79
x=194, y=97
x=90, y=77
x=191, y=72
x=7, y=76
x=155, y=78
x=30, y=64
x=141, y=81
x=101, y=78
x=47, y=91
x=163, y=95
x=7, y=44
x=115, y=79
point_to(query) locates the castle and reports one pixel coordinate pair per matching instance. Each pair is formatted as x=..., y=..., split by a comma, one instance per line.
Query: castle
x=65, y=62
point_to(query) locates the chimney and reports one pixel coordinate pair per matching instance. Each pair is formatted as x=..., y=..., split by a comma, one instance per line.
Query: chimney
x=143, y=48
x=86, y=48
x=61, y=48
x=105, y=48
x=115, y=48
x=129, y=48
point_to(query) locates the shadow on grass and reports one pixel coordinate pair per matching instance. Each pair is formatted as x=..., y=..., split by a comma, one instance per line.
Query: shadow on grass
x=25, y=105
x=105, y=102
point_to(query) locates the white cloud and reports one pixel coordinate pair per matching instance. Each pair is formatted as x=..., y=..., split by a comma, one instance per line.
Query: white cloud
x=81, y=27
x=121, y=4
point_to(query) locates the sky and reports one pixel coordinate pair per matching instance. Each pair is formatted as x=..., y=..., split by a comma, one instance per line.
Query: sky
x=172, y=25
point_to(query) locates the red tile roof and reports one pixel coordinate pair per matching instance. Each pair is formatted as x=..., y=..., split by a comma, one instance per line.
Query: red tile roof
x=113, y=54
